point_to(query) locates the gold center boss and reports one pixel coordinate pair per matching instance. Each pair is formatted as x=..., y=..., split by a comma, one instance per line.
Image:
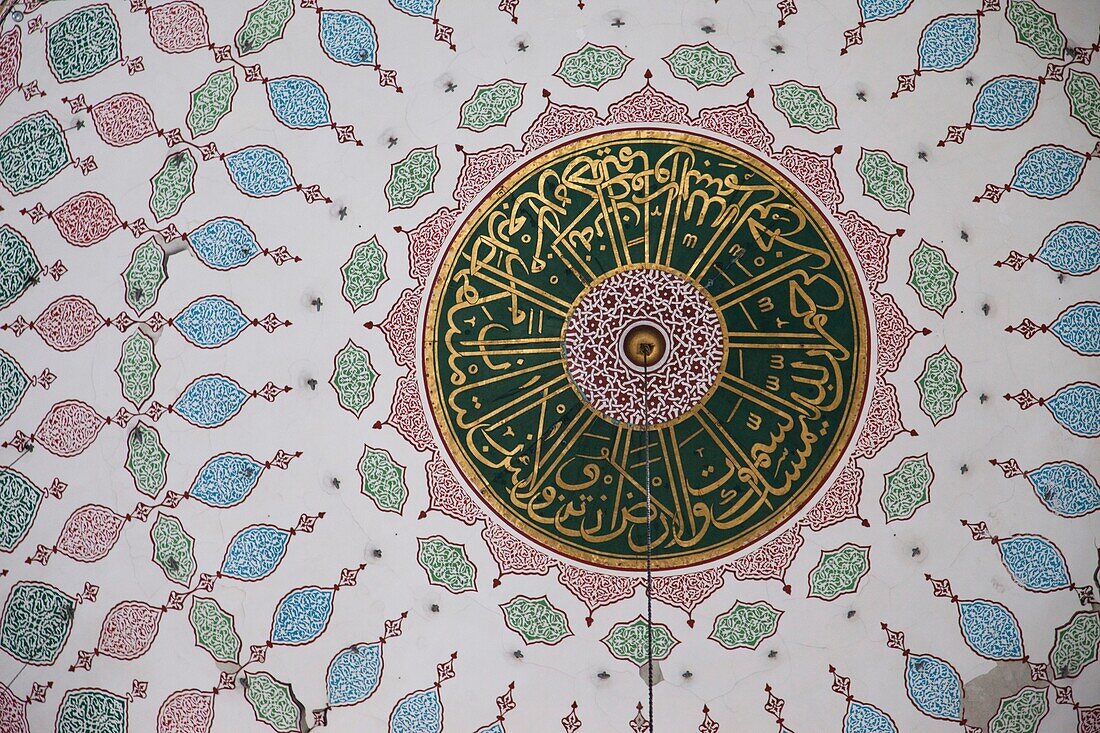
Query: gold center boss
x=645, y=281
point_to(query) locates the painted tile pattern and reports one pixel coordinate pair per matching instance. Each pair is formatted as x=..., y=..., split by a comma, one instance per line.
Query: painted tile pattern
x=223, y=506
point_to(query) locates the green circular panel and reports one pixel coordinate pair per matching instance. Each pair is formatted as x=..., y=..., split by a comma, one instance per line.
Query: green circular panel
x=755, y=319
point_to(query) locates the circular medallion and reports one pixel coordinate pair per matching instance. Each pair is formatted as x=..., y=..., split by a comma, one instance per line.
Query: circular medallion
x=645, y=308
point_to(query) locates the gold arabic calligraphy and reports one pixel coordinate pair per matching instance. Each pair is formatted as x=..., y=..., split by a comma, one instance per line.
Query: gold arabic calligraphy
x=538, y=432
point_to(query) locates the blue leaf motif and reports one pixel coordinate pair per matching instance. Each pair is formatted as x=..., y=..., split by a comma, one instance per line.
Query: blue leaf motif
x=1066, y=488
x=418, y=712
x=1005, y=102
x=1048, y=171
x=302, y=615
x=1072, y=248
x=299, y=102
x=259, y=171
x=210, y=401
x=224, y=243
x=990, y=630
x=948, y=42
x=865, y=718
x=255, y=552
x=934, y=687
x=226, y=479
x=354, y=674
x=421, y=8
x=1034, y=563
x=1078, y=327
x=1077, y=408
x=882, y=9
x=348, y=38
x=210, y=322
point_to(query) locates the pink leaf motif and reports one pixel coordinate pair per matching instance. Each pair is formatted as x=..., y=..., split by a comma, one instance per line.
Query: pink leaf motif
x=124, y=119
x=67, y=323
x=69, y=428
x=129, y=630
x=186, y=711
x=89, y=533
x=86, y=219
x=178, y=27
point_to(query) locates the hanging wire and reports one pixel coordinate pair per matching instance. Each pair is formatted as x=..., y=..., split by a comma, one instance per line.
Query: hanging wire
x=646, y=350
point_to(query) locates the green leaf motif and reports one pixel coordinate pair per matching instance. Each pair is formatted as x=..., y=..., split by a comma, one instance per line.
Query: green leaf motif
x=91, y=710
x=491, y=105
x=364, y=273
x=263, y=24
x=145, y=275
x=383, y=480
x=630, y=641
x=137, y=368
x=1083, y=90
x=215, y=630
x=703, y=65
x=839, y=571
x=746, y=625
x=36, y=623
x=1075, y=644
x=412, y=177
x=932, y=277
x=14, y=383
x=446, y=564
x=146, y=459
x=907, y=489
x=83, y=43
x=34, y=152
x=1036, y=28
x=536, y=620
x=272, y=702
x=593, y=66
x=353, y=378
x=173, y=549
x=940, y=385
x=19, y=265
x=173, y=184
x=211, y=101
x=804, y=106
x=19, y=502
x=885, y=180
x=1021, y=712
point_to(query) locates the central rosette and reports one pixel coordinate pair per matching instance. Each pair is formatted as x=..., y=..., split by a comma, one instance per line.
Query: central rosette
x=644, y=346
